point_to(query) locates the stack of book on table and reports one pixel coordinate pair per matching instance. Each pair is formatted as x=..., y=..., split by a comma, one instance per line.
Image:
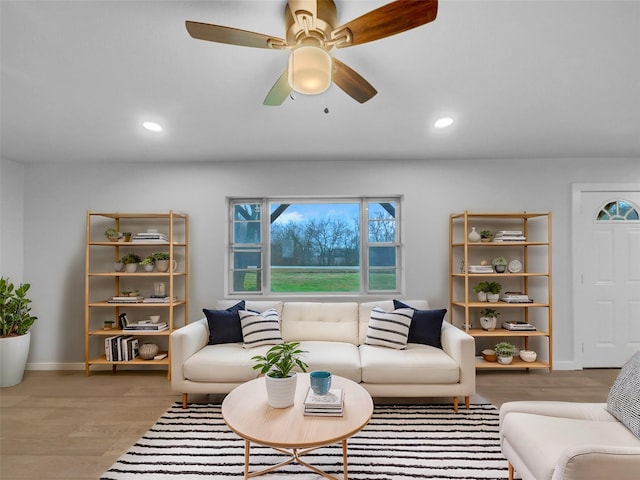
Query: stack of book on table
x=509, y=236
x=518, y=326
x=515, y=297
x=330, y=404
x=146, y=326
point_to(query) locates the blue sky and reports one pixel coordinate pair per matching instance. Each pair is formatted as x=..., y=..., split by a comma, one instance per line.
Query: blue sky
x=300, y=212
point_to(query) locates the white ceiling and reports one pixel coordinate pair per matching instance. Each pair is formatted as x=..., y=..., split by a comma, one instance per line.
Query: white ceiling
x=523, y=79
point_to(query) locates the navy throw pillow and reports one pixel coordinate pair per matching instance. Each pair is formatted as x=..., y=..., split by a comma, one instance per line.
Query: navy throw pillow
x=426, y=325
x=224, y=325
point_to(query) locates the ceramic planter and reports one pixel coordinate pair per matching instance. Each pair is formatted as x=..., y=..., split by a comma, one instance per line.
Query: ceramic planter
x=281, y=392
x=505, y=360
x=488, y=323
x=13, y=359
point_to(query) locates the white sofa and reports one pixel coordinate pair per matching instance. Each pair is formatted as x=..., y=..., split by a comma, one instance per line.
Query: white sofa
x=333, y=335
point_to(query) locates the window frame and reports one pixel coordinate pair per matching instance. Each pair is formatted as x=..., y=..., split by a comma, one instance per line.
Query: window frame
x=263, y=271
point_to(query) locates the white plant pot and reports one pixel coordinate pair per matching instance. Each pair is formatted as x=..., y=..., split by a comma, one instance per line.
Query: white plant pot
x=493, y=297
x=131, y=267
x=482, y=296
x=13, y=359
x=281, y=392
x=505, y=360
x=488, y=323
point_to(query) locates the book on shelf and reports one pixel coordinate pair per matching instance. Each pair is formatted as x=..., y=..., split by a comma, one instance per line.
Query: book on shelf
x=121, y=348
x=157, y=299
x=124, y=299
x=480, y=269
x=330, y=404
x=150, y=237
x=147, y=327
x=509, y=236
x=515, y=297
x=518, y=326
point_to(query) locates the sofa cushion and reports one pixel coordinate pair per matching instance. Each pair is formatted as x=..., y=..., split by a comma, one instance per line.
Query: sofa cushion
x=417, y=364
x=364, y=313
x=224, y=325
x=223, y=363
x=336, y=322
x=623, y=401
x=253, y=305
x=389, y=329
x=260, y=328
x=340, y=358
x=426, y=325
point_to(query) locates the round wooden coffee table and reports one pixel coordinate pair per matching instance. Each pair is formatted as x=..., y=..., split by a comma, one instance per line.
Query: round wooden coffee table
x=288, y=430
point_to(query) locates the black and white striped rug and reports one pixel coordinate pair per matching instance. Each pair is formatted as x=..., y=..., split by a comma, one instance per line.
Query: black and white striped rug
x=400, y=442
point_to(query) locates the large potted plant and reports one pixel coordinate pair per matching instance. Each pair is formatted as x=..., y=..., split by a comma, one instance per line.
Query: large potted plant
x=15, y=337
x=277, y=367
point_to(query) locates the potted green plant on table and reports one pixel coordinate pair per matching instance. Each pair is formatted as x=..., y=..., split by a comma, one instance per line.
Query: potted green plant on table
x=15, y=337
x=493, y=291
x=277, y=366
x=488, y=318
x=131, y=261
x=482, y=289
x=504, y=351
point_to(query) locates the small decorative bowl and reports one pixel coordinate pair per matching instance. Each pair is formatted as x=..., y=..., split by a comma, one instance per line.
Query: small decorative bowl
x=489, y=355
x=528, y=355
x=148, y=350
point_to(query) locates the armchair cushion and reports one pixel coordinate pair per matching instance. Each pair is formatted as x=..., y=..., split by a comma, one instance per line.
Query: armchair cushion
x=623, y=401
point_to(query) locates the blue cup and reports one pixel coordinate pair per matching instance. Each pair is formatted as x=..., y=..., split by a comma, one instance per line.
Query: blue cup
x=320, y=381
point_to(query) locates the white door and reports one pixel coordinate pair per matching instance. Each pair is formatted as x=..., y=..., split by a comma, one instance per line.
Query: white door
x=608, y=266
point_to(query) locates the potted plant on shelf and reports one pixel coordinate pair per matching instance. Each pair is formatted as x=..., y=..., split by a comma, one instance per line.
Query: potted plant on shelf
x=277, y=366
x=148, y=263
x=499, y=264
x=493, y=292
x=486, y=235
x=127, y=236
x=504, y=351
x=15, y=337
x=107, y=324
x=112, y=234
x=162, y=261
x=488, y=318
x=131, y=261
x=482, y=289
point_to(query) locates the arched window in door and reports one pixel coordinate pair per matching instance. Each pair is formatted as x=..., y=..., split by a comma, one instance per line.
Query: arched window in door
x=618, y=210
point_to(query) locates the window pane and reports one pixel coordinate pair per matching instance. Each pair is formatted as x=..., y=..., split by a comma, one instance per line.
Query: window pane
x=247, y=223
x=383, y=279
x=619, y=210
x=382, y=256
x=315, y=247
x=247, y=264
x=382, y=222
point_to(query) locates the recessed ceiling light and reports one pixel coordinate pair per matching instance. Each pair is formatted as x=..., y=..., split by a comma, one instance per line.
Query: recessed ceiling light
x=152, y=126
x=443, y=122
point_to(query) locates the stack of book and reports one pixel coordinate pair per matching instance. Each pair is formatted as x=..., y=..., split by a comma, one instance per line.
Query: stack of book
x=480, y=269
x=156, y=299
x=509, y=236
x=330, y=405
x=515, y=297
x=146, y=327
x=518, y=326
x=121, y=348
x=125, y=299
x=150, y=237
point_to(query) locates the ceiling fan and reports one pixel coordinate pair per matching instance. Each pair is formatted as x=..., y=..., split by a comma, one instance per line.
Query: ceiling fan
x=311, y=34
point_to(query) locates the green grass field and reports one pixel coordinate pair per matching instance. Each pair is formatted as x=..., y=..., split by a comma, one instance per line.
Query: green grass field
x=311, y=280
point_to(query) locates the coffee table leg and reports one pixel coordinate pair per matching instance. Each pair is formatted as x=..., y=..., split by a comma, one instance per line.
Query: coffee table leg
x=247, y=454
x=344, y=459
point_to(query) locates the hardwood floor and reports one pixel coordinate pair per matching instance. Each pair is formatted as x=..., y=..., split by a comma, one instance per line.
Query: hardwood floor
x=64, y=425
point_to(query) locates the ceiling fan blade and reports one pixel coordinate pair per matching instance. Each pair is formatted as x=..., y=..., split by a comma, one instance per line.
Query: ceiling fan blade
x=232, y=36
x=279, y=92
x=351, y=82
x=392, y=18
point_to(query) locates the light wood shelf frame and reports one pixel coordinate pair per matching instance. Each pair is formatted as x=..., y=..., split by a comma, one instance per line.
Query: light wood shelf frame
x=462, y=307
x=177, y=310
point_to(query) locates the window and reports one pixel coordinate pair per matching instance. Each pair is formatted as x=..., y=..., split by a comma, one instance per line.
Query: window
x=319, y=246
x=618, y=210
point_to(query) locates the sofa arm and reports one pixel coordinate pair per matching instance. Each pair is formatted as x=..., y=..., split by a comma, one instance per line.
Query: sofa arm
x=461, y=346
x=185, y=342
x=596, y=412
x=595, y=462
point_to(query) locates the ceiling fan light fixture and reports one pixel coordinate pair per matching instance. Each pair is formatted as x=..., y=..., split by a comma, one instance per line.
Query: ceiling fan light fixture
x=309, y=70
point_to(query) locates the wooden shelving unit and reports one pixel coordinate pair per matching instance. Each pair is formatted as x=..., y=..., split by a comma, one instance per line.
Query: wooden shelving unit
x=534, y=279
x=102, y=282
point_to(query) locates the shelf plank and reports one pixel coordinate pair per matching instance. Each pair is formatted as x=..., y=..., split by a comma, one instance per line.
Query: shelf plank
x=139, y=304
x=500, y=332
x=116, y=331
x=459, y=303
x=102, y=360
x=517, y=363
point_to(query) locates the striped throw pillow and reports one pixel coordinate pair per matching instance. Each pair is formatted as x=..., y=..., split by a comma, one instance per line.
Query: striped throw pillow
x=260, y=328
x=389, y=329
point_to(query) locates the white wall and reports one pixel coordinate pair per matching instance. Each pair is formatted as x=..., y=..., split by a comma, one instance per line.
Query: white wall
x=11, y=220
x=60, y=194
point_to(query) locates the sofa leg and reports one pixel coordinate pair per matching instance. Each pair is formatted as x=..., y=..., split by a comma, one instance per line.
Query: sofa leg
x=467, y=402
x=455, y=404
x=184, y=400
x=510, y=471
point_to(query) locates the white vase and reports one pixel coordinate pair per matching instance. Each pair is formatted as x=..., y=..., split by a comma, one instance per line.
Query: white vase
x=488, y=323
x=281, y=392
x=474, y=236
x=13, y=359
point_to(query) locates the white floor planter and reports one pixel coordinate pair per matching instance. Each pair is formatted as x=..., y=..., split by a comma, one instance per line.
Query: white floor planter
x=13, y=359
x=281, y=392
